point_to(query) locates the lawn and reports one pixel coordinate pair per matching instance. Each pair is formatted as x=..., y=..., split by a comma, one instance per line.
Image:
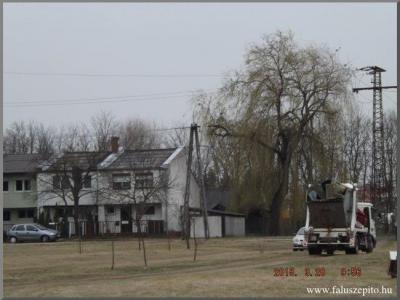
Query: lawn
x=229, y=267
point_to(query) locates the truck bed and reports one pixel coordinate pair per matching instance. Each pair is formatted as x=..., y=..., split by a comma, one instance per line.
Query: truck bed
x=328, y=214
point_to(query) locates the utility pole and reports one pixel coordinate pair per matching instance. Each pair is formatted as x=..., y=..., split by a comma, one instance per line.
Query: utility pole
x=194, y=137
x=379, y=182
x=186, y=216
x=202, y=184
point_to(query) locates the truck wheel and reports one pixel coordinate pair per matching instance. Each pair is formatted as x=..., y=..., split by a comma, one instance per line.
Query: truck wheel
x=355, y=249
x=370, y=245
x=330, y=251
x=373, y=242
x=311, y=251
x=314, y=251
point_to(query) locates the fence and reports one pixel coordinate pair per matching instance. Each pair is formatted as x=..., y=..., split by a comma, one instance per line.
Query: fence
x=103, y=228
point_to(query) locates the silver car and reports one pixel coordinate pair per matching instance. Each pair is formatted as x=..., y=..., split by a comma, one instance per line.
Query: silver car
x=298, y=241
x=31, y=232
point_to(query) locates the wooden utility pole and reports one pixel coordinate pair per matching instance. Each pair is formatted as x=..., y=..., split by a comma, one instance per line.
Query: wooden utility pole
x=379, y=180
x=202, y=185
x=186, y=216
x=194, y=137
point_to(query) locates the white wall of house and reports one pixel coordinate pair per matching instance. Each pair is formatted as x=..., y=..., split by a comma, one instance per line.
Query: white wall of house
x=176, y=193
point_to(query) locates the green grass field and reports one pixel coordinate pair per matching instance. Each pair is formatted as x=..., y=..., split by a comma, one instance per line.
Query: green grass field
x=229, y=267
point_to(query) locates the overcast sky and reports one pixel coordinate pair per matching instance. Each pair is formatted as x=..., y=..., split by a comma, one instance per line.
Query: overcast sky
x=167, y=51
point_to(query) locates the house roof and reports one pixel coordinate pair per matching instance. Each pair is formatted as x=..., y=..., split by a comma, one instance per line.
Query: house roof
x=141, y=159
x=85, y=160
x=20, y=163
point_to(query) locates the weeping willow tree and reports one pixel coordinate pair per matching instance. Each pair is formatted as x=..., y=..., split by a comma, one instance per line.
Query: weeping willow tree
x=263, y=111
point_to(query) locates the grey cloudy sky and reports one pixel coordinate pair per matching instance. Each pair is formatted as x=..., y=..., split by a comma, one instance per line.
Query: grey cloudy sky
x=195, y=42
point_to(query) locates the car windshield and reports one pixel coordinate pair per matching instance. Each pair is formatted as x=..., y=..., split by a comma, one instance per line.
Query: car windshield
x=41, y=227
x=301, y=231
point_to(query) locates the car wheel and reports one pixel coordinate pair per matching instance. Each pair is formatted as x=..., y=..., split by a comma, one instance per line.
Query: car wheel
x=44, y=239
x=13, y=239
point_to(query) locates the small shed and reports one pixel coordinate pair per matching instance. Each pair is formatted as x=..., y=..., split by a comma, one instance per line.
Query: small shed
x=220, y=223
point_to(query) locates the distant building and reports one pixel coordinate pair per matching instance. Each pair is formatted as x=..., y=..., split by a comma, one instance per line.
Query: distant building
x=19, y=188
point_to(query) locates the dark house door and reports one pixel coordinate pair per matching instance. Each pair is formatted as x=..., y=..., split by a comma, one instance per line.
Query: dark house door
x=126, y=219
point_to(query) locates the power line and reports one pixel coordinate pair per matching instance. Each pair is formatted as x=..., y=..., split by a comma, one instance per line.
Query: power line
x=99, y=98
x=161, y=96
x=109, y=75
x=93, y=102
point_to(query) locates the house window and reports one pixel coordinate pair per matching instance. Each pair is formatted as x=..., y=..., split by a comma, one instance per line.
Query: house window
x=110, y=210
x=6, y=215
x=56, y=181
x=21, y=213
x=87, y=182
x=5, y=186
x=18, y=185
x=121, y=182
x=150, y=210
x=27, y=185
x=60, y=184
x=144, y=180
x=30, y=213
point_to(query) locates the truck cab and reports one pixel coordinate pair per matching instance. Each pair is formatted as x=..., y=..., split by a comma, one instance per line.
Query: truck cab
x=337, y=221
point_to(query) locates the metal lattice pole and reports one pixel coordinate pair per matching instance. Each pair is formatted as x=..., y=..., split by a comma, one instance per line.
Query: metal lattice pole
x=379, y=181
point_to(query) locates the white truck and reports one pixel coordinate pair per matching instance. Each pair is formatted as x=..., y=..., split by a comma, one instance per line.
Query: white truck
x=337, y=221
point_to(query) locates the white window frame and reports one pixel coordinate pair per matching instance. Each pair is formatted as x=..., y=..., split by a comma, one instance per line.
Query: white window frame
x=23, y=185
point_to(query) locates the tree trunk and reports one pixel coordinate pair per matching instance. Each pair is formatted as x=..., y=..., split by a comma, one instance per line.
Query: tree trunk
x=141, y=242
x=139, y=231
x=281, y=192
x=78, y=231
x=144, y=252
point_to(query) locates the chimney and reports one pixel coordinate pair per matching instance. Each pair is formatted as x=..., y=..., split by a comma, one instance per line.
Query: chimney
x=114, y=144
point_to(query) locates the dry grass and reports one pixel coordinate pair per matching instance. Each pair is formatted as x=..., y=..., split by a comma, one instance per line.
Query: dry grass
x=224, y=268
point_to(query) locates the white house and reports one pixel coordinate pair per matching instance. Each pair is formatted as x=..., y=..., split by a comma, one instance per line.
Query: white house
x=116, y=184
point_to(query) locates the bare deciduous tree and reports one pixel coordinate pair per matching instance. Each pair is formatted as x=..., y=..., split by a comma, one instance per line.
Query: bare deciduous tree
x=69, y=178
x=104, y=126
x=138, y=134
